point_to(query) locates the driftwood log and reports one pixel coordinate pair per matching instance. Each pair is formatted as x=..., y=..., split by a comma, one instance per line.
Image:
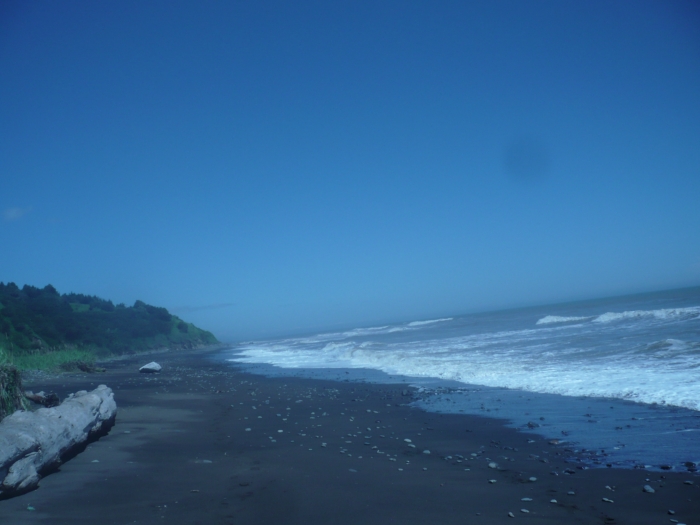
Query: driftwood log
x=48, y=400
x=34, y=443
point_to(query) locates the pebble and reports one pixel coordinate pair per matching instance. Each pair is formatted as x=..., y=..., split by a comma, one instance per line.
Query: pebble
x=511, y=515
x=407, y=440
x=533, y=478
x=648, y=489
x=492, y=481
x=526, y=499
x=608, y=500
x=493, y=465
x=247, y=430
x=352, y=470
x=426, y=451
x=525, y=511
x=553, y=501
x=95, y=461
x=571, y=493
x=688, y=483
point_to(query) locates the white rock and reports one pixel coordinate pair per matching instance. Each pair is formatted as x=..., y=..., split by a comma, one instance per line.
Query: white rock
x=493, y=465
x=32, y=443
x=150, y=368
x=426, y=452
x=648, y=489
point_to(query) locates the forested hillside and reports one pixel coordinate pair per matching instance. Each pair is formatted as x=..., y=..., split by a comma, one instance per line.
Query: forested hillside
x=42, y=320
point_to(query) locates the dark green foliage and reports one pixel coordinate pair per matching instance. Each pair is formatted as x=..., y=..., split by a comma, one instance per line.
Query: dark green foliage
x=11, y=395
x=40, y=319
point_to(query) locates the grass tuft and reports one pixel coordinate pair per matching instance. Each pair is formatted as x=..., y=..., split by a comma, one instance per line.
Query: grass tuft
x=48, y=361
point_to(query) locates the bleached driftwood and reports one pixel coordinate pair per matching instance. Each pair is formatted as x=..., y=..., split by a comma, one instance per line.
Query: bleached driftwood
x=33, y=443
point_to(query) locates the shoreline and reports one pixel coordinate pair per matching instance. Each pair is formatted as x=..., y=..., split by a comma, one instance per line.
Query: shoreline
x=180, y=451
x=609, y=432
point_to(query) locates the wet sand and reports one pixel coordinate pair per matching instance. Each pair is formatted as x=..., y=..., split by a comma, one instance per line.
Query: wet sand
x=204, y=443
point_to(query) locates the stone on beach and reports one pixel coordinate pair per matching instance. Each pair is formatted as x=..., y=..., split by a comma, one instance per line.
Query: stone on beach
x=32, y=443
x=648, y=489
x=150, y=368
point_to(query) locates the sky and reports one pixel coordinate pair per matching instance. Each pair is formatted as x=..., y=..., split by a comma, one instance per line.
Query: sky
x=264, y=168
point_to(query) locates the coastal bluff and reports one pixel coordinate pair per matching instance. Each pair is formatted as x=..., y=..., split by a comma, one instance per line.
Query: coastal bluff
x=34, y=443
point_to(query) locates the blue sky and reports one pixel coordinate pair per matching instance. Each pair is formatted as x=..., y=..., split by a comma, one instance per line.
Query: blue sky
x=262, y=168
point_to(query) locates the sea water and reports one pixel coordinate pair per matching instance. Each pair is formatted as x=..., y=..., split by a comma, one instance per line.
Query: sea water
x=618, y=377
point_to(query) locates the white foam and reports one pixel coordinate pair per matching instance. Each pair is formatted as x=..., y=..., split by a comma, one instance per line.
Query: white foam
x=662, y=314
x=549, y=319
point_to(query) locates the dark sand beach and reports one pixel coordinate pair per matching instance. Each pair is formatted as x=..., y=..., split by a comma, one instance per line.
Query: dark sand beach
x=204, y=443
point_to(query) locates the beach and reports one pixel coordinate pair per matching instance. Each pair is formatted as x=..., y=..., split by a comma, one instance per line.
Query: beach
x=205, y=442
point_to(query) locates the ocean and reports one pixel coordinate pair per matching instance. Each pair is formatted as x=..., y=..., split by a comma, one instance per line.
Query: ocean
x=615, y=379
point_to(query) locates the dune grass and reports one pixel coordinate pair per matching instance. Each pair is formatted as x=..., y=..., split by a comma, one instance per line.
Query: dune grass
x=44, y=360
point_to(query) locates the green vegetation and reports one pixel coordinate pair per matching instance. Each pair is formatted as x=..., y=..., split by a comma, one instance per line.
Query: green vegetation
x=11, y=395
x=40, y=328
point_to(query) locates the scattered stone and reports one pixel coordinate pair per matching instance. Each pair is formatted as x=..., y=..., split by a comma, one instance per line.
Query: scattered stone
x=247, y=430
x=426, y=452
x=150, y=368
x=352, y=470
x=553, y=501
x=526, y=499
x=95, y=461
x=407, y=440
x=671, y=512
x=533, y=479
x=524, y=511
x=606, y=500
x=493, y=465
x=511, y=515
x=571, y=493
x=492, y=481
x=688, y=483
x=648, y=489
